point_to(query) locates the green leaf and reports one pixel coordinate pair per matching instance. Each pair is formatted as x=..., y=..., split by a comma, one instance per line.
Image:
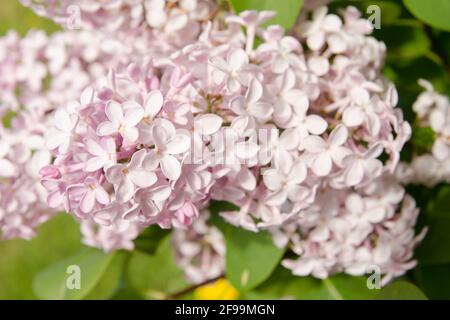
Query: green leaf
x=15, y=16
x=404, y=40
x=250, y=257
x=401, y=290
x=21, y=260
x=423, y=137
x=150, y=238
x=51, y=283
x=436, y=13
x=282, y=284
x=287, y=11
x=434, y=280
x=155, y=276
x=435, y=248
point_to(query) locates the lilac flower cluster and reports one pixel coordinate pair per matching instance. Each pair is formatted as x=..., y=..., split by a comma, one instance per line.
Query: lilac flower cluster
x=300, y=131
x=43, y=73
x=433, y=167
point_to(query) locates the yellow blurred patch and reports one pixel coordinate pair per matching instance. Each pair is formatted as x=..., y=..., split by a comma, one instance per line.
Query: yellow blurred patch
x=219, y=290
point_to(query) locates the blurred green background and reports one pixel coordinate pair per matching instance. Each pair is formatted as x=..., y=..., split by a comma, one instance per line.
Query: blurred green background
x=415, y=50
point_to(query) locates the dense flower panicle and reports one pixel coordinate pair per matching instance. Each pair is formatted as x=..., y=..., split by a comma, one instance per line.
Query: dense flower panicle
x=433, y=167
x=44, y=72
x=301, y=132
x=173, y=22
x=200, y=250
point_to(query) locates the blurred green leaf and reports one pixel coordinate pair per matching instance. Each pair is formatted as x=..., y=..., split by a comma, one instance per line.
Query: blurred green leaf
x=21, y=260
x=287, y=11
x=401, y=290
x=51, y=283
x=435, y=248
x=149, y=239
x=434, y=280
x=251, y=256
x=436, y=13
x=423, y=137
x=282, y=284
x=404, y=40
x=155, y=276
x=17, y=17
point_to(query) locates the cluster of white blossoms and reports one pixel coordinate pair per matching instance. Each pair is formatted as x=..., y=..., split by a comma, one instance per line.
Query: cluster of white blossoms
x=433, y=167
x=301, y=132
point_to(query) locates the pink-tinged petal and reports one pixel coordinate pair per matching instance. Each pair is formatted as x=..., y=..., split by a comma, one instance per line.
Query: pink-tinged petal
x=289, y=139
x=353, y=116
x=130, y=105
x=87, y=202
x=179, y=144
x=273, y=180
x=238, y=105
x=440, y=150
x=354, y=204
x=246, y=179
x=101, y=195
x=137, y=159
x=339, y=154
x=246, y=150
x=151, y=161
x=110, y=145
x=162, y=132
x=133, y=116
x=106, y=128
x=316, y=41
x=94, y=164
x=338, y=136
x=233, y=85
x=298, y=193
x=87, y=96
x=94, y=148
x=331, y=23
x=160, y=193
x=63, y=120
x=125, y=190
x=373, y=124
x=219, y=63
x=55, y=139
x=319, y=65
x=130, y=133
x=277, y=198
x=254, y=91
x=280, y=65
x=170, y=167
x=7, y=168
x=153, y=103
x=114, y=174
x=207, y=124
x=298, y=100
x=322, y=165
x=315, y=124
x=236, y=59
x=54, y=199
x=114, y=112
x=320, y=233
x=298, y=173
x=354, y=174
x=314, y=144
x=142, y=178
x=261, y=110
